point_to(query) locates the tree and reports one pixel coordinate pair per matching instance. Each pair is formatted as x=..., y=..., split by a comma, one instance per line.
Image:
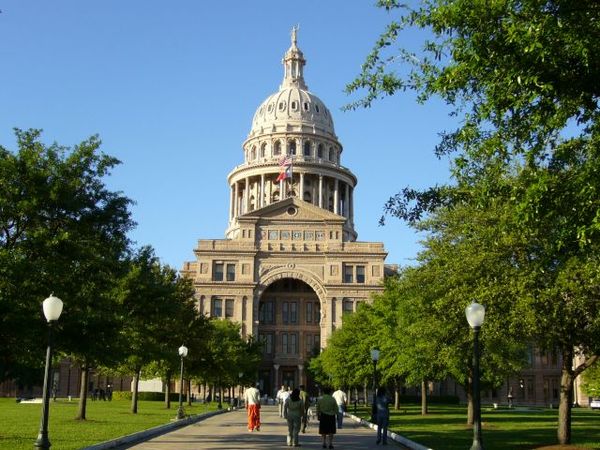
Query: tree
x=62, y=231
x=157, y=309
x=521, y=77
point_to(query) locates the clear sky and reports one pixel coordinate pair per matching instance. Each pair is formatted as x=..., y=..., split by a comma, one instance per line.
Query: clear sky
x=171, y=88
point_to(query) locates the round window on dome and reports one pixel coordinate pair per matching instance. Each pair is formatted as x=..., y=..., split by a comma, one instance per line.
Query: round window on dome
x=294, y=106
x=270, y=108
x=281, y=106
x=306, y=106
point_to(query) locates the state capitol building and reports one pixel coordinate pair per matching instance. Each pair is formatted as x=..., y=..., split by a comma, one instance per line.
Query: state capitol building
x=290, y=265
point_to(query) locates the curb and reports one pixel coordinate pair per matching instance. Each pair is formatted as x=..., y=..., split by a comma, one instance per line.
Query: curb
x=153, y=432
x=391, y=435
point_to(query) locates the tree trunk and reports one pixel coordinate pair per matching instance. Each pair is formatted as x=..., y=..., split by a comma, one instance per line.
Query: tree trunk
x=424, y=410
x=365, y=393
x=189, y=392
x=168, y=391
x=469, y=389
x=83, y=393
x=397, y=396
x=566, y=399
x=134, y=395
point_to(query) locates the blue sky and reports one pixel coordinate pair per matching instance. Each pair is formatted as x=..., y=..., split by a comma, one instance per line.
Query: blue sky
x=171, y=88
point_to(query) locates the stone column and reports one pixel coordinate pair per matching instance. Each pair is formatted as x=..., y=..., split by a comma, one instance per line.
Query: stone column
x=301, y=193
x=300, y=374
x=247, y=196
x=237, y=203
x=351, y=203
x=336, y=196
x=347, y=203
x=231, y=203
x=320, y=191
x=262, y=190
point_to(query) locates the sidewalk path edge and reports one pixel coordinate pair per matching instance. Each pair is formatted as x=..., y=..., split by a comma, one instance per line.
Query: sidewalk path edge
x=156, y=431
x=391, y=435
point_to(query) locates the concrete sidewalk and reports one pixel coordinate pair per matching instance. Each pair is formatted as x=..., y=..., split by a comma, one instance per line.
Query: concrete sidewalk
x=229, y=431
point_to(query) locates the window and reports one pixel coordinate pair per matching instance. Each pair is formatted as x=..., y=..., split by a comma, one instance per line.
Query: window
x=289, y=343
x=253, y=153
x=347, y=306
x=331, y=154
x=351, y=273
x=263, y=150
x=320, y=151
x=294, y=106
x=267, y=343
x=230, y=272
x=217, y=307
x=218, y=272
x=285, y=312
x=360, y=274
x=291, y=147
x=266, y=312
x=309, y=312
x=293, y=312
x=277, y=149
x=348, y=274
x=306, y=106
x=317, y=315
x=307, y=148
x=229, y=307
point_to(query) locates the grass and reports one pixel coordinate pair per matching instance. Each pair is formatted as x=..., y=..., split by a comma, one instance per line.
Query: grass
x=105, y=420
x=445, y=428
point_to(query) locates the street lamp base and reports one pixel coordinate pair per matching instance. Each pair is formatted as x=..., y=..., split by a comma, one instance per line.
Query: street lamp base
x=180, y=413
x=42, y=441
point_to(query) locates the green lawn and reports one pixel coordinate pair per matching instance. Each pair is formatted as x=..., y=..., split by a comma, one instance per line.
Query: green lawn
x=503, y=429
x=19, y=423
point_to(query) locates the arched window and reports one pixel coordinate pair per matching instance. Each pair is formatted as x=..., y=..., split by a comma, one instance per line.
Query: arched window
x=253, y=153
x=307, y=196
x=307, y=148
x=331, y=154
x=252, y=204
x=277, y=149
x=320, y=151
x=291, y=147
x=276, y=196
x=263, y=149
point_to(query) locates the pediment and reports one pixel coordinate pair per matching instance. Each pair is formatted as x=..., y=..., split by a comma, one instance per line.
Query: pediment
x=293, y=210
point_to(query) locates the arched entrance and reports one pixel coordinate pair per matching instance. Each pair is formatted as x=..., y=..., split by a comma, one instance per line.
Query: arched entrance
x=289, y=328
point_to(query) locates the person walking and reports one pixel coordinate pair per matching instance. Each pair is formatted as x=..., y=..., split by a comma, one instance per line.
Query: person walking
x=252, y=400
x=382, y=409
x=281, y=396
x=326, y=412
x=293, y=412
x=342, y=402
x=306, y=399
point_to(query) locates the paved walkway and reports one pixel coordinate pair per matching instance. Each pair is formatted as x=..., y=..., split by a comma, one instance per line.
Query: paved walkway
x=229, y=431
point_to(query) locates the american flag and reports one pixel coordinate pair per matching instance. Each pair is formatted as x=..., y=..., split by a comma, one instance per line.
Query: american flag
x=285, y=161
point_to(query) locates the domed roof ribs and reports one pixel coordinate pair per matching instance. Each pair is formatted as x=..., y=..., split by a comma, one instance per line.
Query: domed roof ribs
x=293, y=63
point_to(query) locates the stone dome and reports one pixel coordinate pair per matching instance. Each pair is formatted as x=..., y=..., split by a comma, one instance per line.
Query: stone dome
x=293, y=105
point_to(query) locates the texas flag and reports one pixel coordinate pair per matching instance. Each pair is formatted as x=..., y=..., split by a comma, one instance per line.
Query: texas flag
x=285, y=164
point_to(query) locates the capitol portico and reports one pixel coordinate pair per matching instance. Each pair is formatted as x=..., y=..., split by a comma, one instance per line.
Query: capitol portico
x=289, y=267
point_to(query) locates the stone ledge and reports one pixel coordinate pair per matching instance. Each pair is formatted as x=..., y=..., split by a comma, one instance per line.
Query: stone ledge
x=153, y=432
x=391, y=435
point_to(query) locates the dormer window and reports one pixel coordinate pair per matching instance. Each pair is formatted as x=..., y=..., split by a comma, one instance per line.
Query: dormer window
x=294, y=105
x=317, y=108
x=306, y=106
x=281, y=106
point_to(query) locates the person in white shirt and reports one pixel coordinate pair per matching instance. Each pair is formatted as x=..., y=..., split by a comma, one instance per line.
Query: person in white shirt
x=279, y=398
x=342, y=401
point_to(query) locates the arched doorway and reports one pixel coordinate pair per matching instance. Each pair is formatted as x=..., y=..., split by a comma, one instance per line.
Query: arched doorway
x=289, y=328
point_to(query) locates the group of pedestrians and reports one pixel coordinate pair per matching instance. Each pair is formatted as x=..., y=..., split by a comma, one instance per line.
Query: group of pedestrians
x=330, y=408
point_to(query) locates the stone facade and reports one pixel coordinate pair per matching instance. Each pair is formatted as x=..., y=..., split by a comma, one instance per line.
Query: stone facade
x=290, y=266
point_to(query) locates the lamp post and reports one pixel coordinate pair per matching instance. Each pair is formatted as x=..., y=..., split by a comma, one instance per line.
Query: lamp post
x=374, y=358
x=183, y=351
x=52, y=309
x=475, y=314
